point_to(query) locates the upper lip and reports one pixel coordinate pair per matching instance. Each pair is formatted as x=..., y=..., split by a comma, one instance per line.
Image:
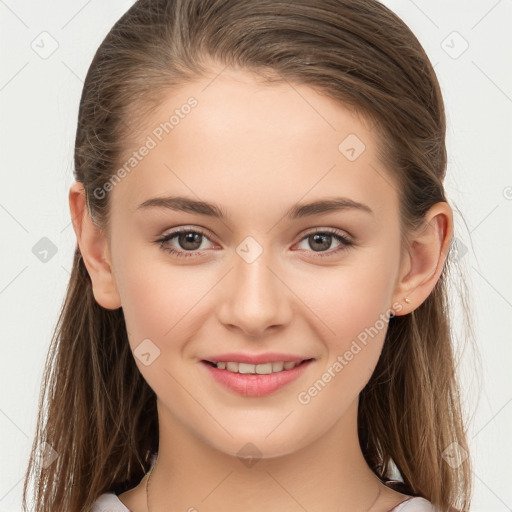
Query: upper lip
x=269, y=357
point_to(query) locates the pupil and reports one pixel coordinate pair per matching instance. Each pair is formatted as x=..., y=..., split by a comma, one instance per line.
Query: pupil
x=318, y=237
x=190, y=238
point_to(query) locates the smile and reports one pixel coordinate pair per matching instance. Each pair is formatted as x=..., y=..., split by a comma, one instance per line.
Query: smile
x=255, y=380
x=259, y=369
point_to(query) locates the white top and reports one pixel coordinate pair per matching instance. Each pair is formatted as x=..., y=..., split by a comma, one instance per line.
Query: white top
x=109, y=502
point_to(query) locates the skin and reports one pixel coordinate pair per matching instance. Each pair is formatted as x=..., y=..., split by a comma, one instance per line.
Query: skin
x=255, y=149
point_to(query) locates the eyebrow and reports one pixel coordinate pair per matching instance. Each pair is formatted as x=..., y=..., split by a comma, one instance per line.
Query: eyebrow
x=185, y=204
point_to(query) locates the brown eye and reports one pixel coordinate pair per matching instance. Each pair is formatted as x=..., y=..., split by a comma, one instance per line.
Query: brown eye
x=188, y=242
x=321, y=241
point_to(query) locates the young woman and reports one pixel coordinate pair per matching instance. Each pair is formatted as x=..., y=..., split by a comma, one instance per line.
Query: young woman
x=257, y=315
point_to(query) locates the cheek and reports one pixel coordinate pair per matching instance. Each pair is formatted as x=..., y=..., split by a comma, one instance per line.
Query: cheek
x=354, y=302
x=360, y=325
x=350, y=298
x=158, y=299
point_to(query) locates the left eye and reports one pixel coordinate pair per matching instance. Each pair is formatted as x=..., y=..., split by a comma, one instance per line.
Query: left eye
x=323, y=239
x=190, y=242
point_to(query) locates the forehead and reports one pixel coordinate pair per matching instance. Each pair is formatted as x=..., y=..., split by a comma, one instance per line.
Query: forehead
x=245, y=144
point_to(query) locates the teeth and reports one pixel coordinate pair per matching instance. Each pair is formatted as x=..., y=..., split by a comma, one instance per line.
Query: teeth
x=261, y=369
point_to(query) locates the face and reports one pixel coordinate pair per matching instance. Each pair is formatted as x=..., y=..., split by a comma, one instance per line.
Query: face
x=318, y=284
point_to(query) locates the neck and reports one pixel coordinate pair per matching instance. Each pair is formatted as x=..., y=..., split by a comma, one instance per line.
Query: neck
x=328, y=474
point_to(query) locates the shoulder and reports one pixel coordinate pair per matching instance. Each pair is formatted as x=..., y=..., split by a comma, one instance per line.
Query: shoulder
x=108, y=502
x=415, y=504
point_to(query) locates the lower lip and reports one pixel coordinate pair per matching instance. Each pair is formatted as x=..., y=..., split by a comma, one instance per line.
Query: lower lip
x=254, y=384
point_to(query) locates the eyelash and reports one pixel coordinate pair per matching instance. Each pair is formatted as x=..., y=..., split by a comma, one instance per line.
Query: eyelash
x=345, y=242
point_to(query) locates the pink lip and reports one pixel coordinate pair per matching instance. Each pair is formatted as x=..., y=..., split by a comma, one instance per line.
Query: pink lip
x=269, y=357
x=256, y=385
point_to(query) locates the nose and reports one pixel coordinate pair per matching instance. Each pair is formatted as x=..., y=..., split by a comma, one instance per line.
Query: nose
x=254, y=296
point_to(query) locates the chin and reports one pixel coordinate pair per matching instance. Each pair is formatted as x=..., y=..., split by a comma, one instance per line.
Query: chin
x=251, y=449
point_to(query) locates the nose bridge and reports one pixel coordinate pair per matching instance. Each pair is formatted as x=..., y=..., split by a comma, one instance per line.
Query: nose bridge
x=256, y=298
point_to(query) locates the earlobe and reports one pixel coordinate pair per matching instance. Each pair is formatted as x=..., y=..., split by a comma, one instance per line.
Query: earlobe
x=425, y=258
x=93, y=246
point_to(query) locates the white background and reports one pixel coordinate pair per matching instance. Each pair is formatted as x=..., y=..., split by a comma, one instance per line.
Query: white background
x=39, y=104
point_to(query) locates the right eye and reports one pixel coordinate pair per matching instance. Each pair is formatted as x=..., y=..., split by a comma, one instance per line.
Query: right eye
x=189, y=239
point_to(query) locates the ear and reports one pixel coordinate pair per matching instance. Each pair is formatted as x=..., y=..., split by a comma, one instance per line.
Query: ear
x=424, y=258
x=94, y=248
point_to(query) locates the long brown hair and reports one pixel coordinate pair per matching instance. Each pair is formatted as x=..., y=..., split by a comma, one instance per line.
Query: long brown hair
x=96, y=411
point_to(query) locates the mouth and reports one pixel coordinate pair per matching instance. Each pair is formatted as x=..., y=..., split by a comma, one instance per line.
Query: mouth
x=255, y=380
x=256, y=369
